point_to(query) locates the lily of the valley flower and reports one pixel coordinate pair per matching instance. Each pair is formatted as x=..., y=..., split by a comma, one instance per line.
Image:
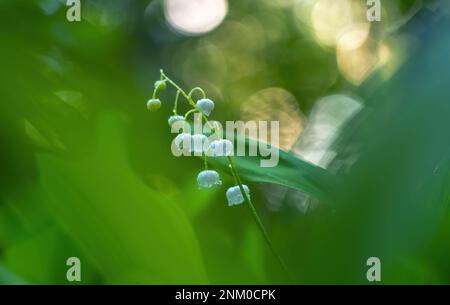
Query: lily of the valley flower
x=220, y=148
x=160, y=85
x=183, y=141
x=234, y=195
x=198, y=143
x=153, y=104
x=208, y=178
x=205, y=105
x=175, y=118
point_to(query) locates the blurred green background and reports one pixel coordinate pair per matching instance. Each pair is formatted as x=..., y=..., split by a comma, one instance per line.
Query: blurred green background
x=86, y=171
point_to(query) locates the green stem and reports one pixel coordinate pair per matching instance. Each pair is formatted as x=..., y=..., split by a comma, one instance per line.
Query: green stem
x=237, y=179
x=179, y=89
x=175, y=106
x=189, y=112
x=199, y=89
x=206, y=160
x=256, y=216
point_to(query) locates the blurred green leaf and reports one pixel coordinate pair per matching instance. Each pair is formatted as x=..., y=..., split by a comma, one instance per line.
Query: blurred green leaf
x=290, y=171
x=41, y=258
x=7, y=278
x=122, y=225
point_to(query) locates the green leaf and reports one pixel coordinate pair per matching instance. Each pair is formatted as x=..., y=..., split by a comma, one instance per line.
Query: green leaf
x=7, y=278
x=290, y=171
x=121, y=224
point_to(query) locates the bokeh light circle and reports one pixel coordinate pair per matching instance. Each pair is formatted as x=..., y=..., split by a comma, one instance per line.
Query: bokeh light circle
x=195, y=17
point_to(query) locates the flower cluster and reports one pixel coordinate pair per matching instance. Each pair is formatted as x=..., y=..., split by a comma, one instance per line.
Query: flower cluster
x=199, y=144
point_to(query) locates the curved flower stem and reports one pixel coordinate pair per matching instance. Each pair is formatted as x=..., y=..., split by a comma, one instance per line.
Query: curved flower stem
x=175, y=106
x=154, y=93
x=189, y=112
x=236, y=177
x=199, y=89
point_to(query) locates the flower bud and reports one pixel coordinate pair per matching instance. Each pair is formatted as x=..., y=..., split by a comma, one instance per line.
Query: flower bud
x=175, y=118
x=183, y=141
x=160, y=85
x=205, y=105
x=234, y=195
x=208, y=178
x=198, y=142
x=153, y=104
x=220, y=148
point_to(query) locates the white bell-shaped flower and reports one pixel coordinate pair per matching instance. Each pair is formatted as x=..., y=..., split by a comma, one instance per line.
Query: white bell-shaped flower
x=208, y=178
x=234, y=195
x=153, y=104
x=199, y=141
x=175, y=118
x=220, y=148
x=183, y=141
x=205, y=105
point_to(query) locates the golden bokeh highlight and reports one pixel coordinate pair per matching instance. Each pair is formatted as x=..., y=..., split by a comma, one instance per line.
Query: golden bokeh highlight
x=333, y=19
x=276, y=104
